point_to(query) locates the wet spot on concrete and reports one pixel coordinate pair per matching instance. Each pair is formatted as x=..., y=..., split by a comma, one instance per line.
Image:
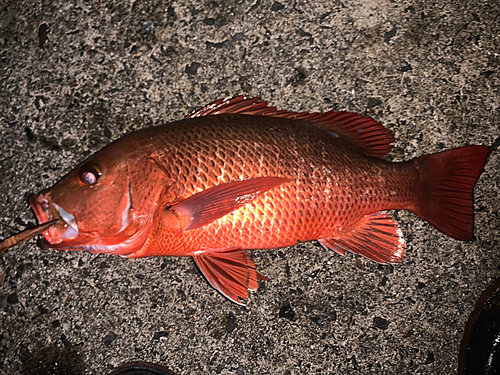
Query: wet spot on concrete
x=231, y=322
x=12, y=298
x=40, y=102
x=8, y=19
x=254, y=7
x=410, y=9
x=315, y=273
x=211, y=45
x=29, y=134
x=318, y=319
x=286, y=311
x=383, y=281
x=359, y=263
x=390, y=34
x=193, y=271
x=107, y=132
x=158, y=335
x=304, y=33
x=496, y=144
x=277, y=6
x=287, y=269
x=487, y=73
x=65, y=340
x=42, y=310
x=181, y=294
x=237, y=37
x=298, y=78
x=109, y=338
x=42, y=34
x=20, y=221
x=430, y=358
x=374, y=102
x=380, y=323
x=192, y=68
x=405, y=67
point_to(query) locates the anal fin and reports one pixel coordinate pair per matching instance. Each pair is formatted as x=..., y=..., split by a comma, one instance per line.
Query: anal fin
x=377, y=237
x=231, y=272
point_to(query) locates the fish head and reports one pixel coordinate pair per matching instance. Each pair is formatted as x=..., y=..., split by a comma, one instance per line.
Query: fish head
x=104, y=205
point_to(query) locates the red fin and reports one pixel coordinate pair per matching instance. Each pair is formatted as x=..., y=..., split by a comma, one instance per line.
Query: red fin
x=211, y=204
x=447, y=185
x=231, y=272
x=367, y=134
x=377, y=237
x=241, y=104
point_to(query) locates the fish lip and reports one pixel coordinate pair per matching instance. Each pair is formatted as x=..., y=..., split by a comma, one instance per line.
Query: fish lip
x=41, y=207
x=44, y=244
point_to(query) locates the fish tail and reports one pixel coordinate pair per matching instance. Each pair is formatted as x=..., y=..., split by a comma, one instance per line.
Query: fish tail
x=447, y=181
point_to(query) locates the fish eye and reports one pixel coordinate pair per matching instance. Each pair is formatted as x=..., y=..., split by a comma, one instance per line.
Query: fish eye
x=90, y=173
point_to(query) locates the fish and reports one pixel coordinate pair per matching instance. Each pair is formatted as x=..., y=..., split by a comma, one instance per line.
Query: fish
x=239, y=174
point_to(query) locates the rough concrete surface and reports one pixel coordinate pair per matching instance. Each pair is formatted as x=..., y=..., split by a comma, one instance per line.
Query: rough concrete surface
x=76, y=75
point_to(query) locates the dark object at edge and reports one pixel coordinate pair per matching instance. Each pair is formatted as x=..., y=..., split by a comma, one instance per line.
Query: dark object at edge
x=42, y=34
x=480, y=348
x=141, y=368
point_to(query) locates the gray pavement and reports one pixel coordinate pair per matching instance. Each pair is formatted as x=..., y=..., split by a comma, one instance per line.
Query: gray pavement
x=428, y=70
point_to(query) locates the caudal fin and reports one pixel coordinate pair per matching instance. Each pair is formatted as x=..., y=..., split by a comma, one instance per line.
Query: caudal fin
x=447, y=184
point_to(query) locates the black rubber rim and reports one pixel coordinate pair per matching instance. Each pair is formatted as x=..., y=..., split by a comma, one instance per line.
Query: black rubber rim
x=142, y=368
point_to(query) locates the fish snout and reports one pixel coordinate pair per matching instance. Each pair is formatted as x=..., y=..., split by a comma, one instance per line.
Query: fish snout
x=45, y=210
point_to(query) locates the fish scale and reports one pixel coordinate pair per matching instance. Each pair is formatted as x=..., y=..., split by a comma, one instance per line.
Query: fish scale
x=239, y=174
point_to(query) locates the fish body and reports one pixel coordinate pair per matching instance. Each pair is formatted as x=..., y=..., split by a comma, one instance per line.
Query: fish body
x=325, y=184
x=241, y=175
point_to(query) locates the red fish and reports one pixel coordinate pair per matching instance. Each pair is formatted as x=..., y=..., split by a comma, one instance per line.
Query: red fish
x=239, y=175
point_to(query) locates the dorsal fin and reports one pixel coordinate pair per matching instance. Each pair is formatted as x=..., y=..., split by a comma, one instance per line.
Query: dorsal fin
x=367, y=134
x=241, y=104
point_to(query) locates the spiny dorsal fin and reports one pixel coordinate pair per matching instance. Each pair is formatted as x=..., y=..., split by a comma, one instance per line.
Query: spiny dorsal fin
x=241, y=104
x=367, y=134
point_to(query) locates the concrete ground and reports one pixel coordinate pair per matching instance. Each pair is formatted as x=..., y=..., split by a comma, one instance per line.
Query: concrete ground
x=76, y=75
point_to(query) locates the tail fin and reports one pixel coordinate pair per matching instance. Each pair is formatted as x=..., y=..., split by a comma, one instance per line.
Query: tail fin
x=447, y=184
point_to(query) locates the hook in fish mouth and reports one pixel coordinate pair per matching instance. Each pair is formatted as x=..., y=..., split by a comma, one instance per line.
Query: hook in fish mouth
x=45, y=211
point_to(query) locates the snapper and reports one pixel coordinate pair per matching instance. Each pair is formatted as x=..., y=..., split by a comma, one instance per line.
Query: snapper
x=239, y=175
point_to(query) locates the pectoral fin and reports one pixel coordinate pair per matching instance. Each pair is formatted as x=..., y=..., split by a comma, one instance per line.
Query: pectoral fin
x=209, y=205
x=231, y=272
x=377, y=237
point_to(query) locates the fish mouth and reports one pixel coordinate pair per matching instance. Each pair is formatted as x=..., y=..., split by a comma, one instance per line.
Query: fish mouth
x=64, y=229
